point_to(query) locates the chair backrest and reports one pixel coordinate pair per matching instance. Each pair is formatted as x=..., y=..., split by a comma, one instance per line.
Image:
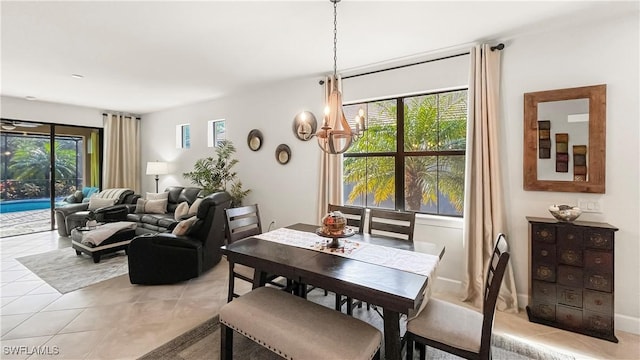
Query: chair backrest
x=354, y=215
x=209, y=228
x=242, y=222
x=495, y=273
x=391, y=223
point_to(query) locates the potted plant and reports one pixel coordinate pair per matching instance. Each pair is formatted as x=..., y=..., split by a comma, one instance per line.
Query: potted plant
x=215, y=174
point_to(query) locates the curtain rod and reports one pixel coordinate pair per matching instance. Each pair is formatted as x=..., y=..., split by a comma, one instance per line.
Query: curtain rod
x=405, y=65
x=500, y=46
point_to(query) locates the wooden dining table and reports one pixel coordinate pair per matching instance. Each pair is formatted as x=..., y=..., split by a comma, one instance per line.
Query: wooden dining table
x=395, y=291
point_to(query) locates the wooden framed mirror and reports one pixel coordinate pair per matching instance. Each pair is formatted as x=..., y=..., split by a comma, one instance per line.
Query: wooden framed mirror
x=564, y=140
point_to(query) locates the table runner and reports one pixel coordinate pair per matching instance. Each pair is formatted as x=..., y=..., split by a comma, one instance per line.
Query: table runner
x=405, y=260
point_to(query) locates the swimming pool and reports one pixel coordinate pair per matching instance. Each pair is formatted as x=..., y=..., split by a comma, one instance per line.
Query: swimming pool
x=24, y=205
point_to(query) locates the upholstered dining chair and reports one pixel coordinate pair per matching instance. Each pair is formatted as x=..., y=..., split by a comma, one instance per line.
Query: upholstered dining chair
x=456, y=329
x=397, y=224
x=355, y=219
x=242, y=222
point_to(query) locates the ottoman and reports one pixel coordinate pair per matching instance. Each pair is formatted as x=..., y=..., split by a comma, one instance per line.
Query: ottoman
x=115, y=241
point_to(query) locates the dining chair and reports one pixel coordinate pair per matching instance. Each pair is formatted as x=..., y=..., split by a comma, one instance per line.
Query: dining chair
x=243, y=222
x=355, y=219
x=457, y=329
x=355, y=215
x=397, y=224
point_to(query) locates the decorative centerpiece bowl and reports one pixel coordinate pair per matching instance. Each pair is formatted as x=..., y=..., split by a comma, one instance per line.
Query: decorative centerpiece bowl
x=334, y=223
x=566, y=213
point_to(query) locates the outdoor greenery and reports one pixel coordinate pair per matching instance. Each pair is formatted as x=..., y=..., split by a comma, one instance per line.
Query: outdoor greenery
x=26, y=163
x=215, y=174
x=434, y=129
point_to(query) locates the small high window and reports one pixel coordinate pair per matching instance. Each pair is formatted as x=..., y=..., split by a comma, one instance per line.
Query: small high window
x=216, y=131
x=183, y=136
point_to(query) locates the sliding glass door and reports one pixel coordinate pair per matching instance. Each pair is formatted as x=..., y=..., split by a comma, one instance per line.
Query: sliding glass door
x=44, y=166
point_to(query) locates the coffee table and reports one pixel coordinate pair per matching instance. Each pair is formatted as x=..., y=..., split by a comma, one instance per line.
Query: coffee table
x=116, y=242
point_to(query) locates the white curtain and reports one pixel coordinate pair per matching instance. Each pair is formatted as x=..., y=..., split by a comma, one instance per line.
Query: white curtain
x=121, y=152
x=330, y=189
x=484, y=214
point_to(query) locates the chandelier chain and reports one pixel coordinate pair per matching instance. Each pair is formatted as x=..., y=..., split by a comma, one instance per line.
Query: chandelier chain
x=335, y=43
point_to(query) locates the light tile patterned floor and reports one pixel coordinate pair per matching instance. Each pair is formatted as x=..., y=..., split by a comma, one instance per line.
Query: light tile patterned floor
x=117, y=320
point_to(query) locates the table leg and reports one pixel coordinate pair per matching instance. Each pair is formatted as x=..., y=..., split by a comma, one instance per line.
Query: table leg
x=259, y=278
x=392, y=342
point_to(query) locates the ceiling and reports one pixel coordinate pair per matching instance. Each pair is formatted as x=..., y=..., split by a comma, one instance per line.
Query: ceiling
x=146, y=56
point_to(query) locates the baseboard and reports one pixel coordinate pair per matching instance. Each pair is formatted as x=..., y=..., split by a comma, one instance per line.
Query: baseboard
x=446, y=285
x=627, y=323
x=523, y=301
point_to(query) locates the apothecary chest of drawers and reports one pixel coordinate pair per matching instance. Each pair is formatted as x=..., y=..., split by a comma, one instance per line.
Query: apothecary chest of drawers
x=571, y=276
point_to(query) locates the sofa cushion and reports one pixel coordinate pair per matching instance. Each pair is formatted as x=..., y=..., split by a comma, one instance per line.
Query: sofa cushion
x=96, y=202
x=189, y=194
x=76, y=197
x=181, y=210
x=184, y=226
x=174, y=193
x=193, y=209
x=157, y=196
x=156, y=206
x=140, y=206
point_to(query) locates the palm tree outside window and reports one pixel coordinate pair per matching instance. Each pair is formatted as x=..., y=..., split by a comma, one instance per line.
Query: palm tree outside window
x=412, y=156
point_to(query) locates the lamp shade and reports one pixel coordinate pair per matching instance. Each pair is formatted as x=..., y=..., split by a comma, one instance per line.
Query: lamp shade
x=157, y=168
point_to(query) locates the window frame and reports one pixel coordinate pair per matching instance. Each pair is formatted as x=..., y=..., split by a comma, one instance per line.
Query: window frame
x=400, y=154
x=212, y=137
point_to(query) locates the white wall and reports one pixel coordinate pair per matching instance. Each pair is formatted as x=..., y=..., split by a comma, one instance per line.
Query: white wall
x=286, y=193
x=20, y=109
x=600, y=53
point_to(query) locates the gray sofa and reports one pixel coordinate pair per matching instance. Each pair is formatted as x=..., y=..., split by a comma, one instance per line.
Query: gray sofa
x=71, y=216
x=157, y=223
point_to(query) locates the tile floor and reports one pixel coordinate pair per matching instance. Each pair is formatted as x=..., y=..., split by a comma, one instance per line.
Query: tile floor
x=117, y=320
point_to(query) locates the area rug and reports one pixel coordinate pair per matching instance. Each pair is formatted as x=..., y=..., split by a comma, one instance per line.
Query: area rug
x=203, y=342
x=65, y=271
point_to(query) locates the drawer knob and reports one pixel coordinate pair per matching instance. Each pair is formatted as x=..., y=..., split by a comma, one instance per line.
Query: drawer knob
x=597, y=280
x=570, y=277
x=598, y=260
x=544, y=253
x=570, y=256
x=570, y=236
x=598, y=302
x=544, y=272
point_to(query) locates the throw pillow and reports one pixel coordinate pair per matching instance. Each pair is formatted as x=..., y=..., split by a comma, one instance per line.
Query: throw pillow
x=193, y=209
x=156, y=206
x=184, y=226
x=157, y=196
x=181, y=210
x=97, y=203
x=140, y=206
x=78, y=196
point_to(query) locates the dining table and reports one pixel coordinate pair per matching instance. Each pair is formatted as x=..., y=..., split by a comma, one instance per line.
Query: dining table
x=395, y=282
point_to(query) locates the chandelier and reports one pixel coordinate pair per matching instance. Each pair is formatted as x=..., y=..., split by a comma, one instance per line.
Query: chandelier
x=335, y=136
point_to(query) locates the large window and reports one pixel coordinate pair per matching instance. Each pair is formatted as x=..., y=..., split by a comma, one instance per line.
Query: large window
x=412, y=156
